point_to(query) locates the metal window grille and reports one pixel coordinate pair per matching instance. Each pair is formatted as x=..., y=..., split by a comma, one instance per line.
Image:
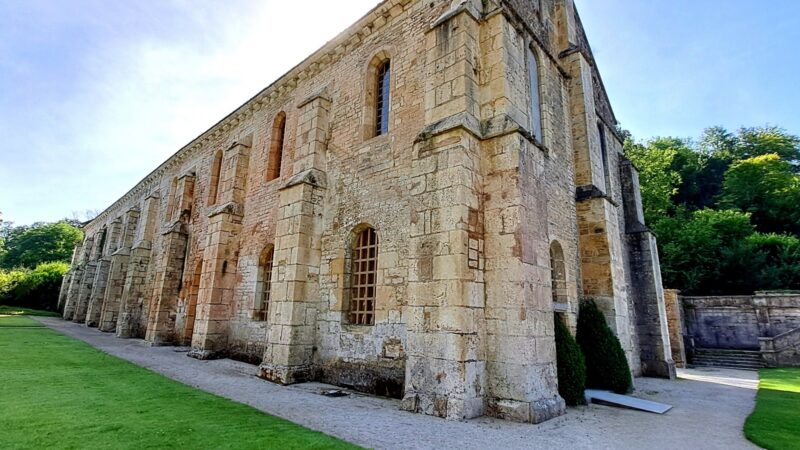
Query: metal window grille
x=263, y=310
x=364, y=272
x=382, y=100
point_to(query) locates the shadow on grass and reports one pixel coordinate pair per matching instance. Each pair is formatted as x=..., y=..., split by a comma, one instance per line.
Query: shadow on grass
x=6, y=310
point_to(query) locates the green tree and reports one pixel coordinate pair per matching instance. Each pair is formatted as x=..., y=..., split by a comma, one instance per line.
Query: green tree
x=777, y=261
x=39, y=243
x=766, y=187
x=658, y=181
x=696, y=249
x=758, y=141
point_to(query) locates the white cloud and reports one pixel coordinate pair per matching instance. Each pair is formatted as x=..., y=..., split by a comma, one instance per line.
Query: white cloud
x=148, y=90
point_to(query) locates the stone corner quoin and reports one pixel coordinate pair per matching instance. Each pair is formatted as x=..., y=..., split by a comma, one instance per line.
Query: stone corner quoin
x=406, y=213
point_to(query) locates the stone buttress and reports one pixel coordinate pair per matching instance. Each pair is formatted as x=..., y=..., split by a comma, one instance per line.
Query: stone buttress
x=221, y=253
x=288, y=356
x=174, y=242
x=135, y=293
x=110, y=311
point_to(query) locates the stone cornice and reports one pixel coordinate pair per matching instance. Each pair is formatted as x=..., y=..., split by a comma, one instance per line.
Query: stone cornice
x=330, y=53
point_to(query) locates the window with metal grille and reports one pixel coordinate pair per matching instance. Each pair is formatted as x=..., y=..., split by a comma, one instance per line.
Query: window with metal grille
x=382, y=99
x=265, y=285
x=363, y=275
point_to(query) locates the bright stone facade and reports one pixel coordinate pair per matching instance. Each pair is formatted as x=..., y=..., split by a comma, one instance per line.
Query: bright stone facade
x=470, y=202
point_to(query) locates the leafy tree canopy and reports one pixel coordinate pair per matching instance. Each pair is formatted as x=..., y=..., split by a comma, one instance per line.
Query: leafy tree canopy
x=767, y=188
x=724, y=208
x=29, y=246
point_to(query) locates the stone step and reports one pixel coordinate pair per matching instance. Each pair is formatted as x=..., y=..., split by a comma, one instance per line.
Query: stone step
x=730, y=358
x=727, y=366
x=737, y=357
x=725, y=351
x=729, y=362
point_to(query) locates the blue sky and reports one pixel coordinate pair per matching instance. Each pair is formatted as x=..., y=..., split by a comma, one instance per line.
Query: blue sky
x=94, y=94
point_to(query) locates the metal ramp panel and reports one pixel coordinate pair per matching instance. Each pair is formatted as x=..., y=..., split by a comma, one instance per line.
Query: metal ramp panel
x=625, y=401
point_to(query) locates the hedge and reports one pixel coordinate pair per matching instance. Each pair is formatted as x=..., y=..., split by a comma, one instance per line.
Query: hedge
x=606, y=365
x=571, y=366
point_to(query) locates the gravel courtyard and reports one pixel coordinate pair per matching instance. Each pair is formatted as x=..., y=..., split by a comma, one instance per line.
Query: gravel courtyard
x=710, y=407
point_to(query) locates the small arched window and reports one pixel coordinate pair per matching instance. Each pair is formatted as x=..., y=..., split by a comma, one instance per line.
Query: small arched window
x=382, y=99
x=535, y=98
x=276, y=147
x=216, y=175
x=558, y=273
x=264, y=284
x=378, y=95
x=363, y=277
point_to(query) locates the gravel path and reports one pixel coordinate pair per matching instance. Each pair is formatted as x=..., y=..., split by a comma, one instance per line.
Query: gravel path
x=710, y=407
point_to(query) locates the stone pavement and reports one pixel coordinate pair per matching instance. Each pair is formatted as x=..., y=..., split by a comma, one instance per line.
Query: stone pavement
x=710, y=407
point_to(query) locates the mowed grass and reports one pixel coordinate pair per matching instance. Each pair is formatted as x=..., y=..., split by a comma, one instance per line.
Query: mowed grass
x=775, y=423
x=57, y=392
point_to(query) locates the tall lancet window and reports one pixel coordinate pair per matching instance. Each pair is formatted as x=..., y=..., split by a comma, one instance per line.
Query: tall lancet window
x=382, y=99
x=536, y=104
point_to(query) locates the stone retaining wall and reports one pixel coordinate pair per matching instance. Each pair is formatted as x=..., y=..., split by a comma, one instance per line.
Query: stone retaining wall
x=738, y=322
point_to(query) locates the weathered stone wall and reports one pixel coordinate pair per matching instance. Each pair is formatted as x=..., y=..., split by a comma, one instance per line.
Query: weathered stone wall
x=675, y=324
x=782, y=350
x=468, y=198
x=739, y=321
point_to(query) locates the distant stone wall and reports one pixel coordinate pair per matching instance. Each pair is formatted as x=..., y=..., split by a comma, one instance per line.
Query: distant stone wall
x=782, y=350
x=739, y=321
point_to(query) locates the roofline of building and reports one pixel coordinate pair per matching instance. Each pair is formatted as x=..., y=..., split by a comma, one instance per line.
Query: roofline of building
x=330, y=52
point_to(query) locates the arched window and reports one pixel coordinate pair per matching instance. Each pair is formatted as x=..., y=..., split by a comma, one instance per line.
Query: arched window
x=382, y=99
x=363, y=274
x=264, y=284
x=378, y=95
x=276, y=147
x=558, y=274
x=216, y=175
x=536, y=105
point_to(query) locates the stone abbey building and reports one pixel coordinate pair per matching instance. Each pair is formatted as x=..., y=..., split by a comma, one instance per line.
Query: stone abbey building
x=406, y=212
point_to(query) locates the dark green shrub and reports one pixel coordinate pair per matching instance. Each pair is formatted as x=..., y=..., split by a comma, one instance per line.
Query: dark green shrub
x=35, y=289
x=606, y=365
x=571, y=367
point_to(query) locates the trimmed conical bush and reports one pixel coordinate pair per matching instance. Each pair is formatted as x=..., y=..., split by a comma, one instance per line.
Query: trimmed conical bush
x=571, y=367
x=606, y=365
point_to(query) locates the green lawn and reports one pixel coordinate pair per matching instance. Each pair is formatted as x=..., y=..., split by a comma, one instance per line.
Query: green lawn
x=775, y=423
x=19, y=311
x=57, y=392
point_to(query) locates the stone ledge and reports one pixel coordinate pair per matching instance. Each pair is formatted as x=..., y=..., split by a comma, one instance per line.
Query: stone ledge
x=464, y=6
x=312, y=177
x=233, y=208
x=589, y=192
